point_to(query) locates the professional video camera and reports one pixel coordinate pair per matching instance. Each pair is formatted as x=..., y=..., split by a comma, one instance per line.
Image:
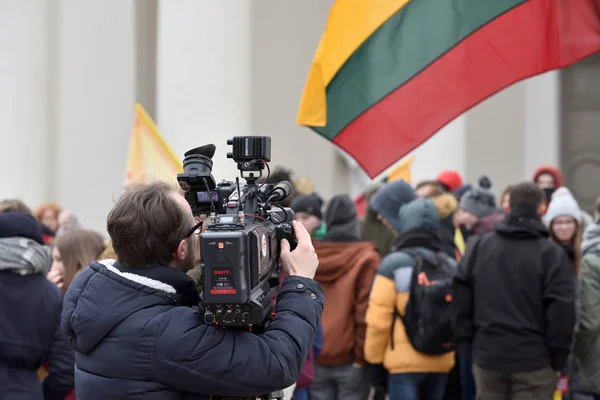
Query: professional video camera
x=240, y=246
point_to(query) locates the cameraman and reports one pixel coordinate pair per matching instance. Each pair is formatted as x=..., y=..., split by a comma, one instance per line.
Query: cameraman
x=134, y=325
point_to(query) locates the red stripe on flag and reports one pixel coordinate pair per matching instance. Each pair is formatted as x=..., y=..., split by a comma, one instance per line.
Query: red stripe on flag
x=533, y=38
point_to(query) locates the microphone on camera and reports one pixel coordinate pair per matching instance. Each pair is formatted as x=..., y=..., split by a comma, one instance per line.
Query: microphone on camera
x=280, y=191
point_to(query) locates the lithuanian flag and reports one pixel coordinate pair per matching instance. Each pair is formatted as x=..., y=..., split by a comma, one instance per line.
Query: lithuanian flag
x=388, y=74
x=150, y=156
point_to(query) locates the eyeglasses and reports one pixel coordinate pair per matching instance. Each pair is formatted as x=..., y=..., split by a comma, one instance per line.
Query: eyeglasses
x=196, y=229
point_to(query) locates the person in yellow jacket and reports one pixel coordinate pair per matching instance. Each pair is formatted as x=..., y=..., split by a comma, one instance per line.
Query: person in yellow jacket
x=412, y=375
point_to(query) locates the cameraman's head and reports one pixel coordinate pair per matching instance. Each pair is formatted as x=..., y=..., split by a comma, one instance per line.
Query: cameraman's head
x=152, y=225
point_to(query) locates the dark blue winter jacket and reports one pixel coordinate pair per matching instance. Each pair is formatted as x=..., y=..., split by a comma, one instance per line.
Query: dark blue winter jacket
x=137, y=335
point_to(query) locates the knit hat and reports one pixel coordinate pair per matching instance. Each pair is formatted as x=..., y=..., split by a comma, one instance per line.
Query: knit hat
x=450, y=179
x=460, y=192
x=20, y=224
x=388, y=200
x=479, y=201
x=341, y=217
x=308, y=203
x=562, y=204
x=419, y=214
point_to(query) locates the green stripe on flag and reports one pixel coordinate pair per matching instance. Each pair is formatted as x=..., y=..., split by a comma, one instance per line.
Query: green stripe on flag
x=405, y=45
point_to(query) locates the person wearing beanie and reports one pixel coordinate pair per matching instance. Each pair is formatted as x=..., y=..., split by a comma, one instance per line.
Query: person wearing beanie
x=413, y=374
x=459, y=193
x=477, y=213
x=30, y=315
x=309, y=212
x=450, y=180
x=564, y=220
x=586, y=219
x=347, y=266
x=514, y=303
x=388, y=200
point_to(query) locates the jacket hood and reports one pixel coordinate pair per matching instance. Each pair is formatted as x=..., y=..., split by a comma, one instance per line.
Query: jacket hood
x=487, y=224
x=102, y=296
x=446, y=204
x=547, y=169
x=342, y=219
x=522, y=224
x=591, y=239
x=336, y=259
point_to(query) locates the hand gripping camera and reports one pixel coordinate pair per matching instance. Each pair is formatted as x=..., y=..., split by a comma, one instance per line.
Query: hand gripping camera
x=240, y=246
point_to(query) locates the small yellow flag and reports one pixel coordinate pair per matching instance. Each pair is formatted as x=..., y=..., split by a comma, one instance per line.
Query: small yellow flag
x=150, y=156
x=402, y=170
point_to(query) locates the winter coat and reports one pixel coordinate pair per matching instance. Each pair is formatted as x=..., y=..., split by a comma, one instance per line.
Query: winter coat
x=514, y=298
x=391, y=290
x=346, y=272
x=587, y=333
x=30, y=335
x=137, y=334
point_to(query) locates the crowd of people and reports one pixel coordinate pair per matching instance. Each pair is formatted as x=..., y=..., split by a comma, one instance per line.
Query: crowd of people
x=520, y=275
x=440, y=291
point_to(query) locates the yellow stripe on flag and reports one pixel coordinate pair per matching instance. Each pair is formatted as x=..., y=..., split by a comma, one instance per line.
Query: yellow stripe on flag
x=150, y=156
x=350, y=23
x=402, y=170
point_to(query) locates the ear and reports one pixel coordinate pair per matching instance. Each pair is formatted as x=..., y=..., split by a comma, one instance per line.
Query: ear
x=182, y=250
x=507, y=209
x=542, y=210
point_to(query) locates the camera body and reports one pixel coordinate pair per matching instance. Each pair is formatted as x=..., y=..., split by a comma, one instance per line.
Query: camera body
x=240, y=246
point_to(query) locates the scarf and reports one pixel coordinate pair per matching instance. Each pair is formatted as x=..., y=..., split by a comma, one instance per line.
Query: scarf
x=24, y=256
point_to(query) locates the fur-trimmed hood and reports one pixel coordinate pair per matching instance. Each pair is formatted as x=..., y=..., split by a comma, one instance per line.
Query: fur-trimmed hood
x=446, y=204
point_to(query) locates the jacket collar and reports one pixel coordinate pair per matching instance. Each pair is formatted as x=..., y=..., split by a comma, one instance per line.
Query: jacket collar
x=176, y=285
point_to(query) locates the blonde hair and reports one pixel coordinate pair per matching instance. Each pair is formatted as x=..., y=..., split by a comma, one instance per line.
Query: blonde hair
x=78, y=248
x=108, y=253
x=42, y=208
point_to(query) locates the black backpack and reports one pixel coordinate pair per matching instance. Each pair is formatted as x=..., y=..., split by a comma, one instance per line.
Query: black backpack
x=428, y=316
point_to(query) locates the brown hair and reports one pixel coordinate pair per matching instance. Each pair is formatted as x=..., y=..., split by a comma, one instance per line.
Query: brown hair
x=42, y=208
x=13, y=205
x=436, y=188
x=597, y=209
x=108, y=253
x=505, y=192
x=526, y=194
x=147, y=224
x=575, y=242
x=78, y=248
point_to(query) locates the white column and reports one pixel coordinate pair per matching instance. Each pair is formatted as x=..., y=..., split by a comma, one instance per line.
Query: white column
x=96, y=95
x=445, y=150
x=203, y=76
x=542, y=122
x=24, y=99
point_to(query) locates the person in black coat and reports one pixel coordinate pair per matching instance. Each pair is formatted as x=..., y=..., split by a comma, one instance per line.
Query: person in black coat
x=135, y=326
x=514, y=303
x=30, y=312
